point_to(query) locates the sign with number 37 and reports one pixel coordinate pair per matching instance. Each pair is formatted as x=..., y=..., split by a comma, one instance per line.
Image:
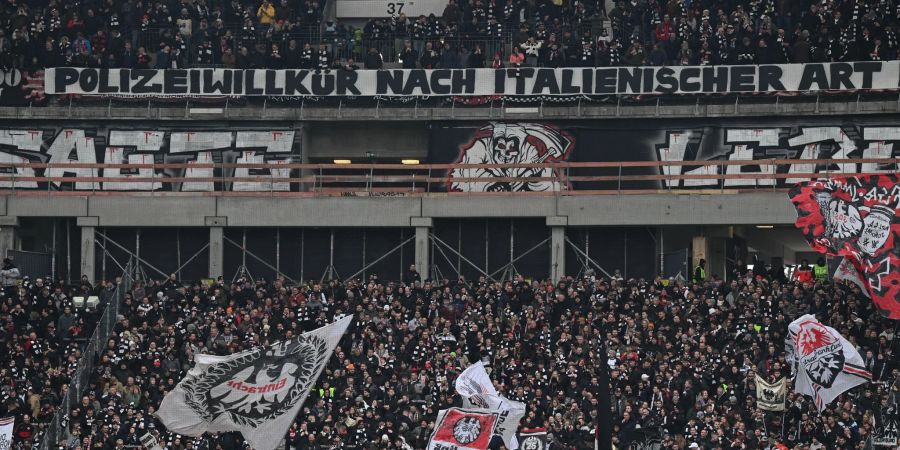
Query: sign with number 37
x=386, y=8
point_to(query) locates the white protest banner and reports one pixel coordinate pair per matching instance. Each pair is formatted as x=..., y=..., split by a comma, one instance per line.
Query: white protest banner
x=526, y=81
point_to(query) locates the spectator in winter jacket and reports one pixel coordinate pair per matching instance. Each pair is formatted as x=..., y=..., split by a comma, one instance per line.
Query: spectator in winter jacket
x=430, y=57
x=266, y=13
x=658, y=55
x=449, y=57
x=408, y=56
x=373, y=59
x=476, y=58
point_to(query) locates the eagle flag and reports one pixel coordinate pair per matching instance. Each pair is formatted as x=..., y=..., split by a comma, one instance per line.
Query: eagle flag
x=257, y=392
x=475, y=387
x=770, y=396
x=463, y=429
x=856, y=217
x=824, y=363
x=847, y=271
x=7, y=425
x=534, y=440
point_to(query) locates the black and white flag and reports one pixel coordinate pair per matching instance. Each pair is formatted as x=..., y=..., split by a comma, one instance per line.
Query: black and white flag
x=826, y=365
x=149, y=441
x=534, y=441
x=887, y=435
x=6, y=432
x=257, y=392
x=770, y=396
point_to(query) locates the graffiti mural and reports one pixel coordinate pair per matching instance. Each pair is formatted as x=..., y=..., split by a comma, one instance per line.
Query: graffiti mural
x=512, y=143
x=664, y=141
x=704, y=147
x=83, y=145
x=842, y=144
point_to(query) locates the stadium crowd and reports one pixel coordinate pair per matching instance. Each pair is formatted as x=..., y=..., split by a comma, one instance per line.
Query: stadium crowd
x=42, y=334
x=468, y=33
x=682, y=357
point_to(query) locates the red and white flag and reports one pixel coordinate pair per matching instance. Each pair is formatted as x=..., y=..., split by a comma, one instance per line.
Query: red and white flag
x=825, y=364
x=463, y=429
x=475, y=387
x=847, y=271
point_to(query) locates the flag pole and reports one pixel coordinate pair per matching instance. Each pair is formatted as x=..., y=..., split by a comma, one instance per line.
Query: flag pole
x=603, y=432
x=784, y=411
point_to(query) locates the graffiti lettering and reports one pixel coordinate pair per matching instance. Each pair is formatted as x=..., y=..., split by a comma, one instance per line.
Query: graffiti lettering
x=148, y=147
x=840, y=144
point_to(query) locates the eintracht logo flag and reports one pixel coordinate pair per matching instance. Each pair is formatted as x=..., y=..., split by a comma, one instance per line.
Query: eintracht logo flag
x=6, y=432
x=826, y=364
x=857, y=217
x=770, y=397
x=463, y=429
x=533, y=441
x=257, y=392
x=477, y=391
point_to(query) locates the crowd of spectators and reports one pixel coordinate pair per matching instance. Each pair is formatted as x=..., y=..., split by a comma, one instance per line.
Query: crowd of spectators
x=469, y=33
x=649, y=32
x=42, y=335
x=682, y=358
x=154, y=34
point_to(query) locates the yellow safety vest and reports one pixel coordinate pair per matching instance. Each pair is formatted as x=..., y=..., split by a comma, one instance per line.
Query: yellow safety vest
x=322, y=392
x=821, y=272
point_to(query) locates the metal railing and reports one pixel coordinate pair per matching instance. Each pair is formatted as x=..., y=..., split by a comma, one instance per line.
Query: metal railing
x=58, y=429
x=151, y=38
x=281, y=178
x=340, y=45
x=390, y=47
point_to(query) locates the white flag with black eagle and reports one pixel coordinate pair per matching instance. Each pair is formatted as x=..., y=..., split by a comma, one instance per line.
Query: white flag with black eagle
x=824, y=363
x=475, y=387
x=770, y=396
x=257, y=392
x=7, y=424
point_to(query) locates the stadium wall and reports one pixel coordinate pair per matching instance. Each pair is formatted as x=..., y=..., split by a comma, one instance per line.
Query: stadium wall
x=212, y=227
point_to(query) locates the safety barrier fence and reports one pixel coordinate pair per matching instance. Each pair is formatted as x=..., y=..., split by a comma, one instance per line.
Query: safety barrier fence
x=281, y=178
x=58, y=428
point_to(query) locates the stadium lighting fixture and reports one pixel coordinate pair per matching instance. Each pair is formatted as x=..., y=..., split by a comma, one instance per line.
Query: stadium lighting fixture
x=410, y=161
x=342, y=161
x=765, y=227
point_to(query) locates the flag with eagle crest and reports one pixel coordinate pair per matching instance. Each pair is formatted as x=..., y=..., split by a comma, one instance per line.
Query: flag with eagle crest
x=824, y=363
x=857, y=217
x=463, y=429
x=475, y=387
x=770, y=396
x=257, y=392
x=6, y=432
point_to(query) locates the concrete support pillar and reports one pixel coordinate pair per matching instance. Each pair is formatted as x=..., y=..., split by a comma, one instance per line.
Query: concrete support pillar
x=557, y=226
x=8, y=225
x=216, y=246
x=304, y=158
x=712, y=247
x=88, y=227
x=423, y=245
x=699, y=250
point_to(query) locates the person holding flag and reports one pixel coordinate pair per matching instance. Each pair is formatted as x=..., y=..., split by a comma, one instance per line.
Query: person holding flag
x=825, y=365
x=257, y=392
x=477, y=391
